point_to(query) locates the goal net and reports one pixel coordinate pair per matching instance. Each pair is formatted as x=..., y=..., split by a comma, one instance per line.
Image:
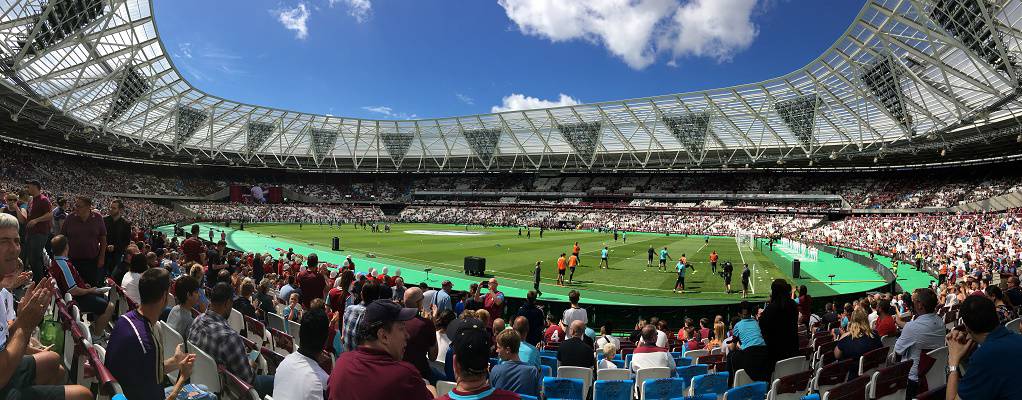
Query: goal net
x=799, y=249
x=745, y=240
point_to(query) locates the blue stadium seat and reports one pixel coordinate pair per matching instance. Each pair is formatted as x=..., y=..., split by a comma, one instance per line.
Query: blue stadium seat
x=682, y=361
x=549, y=361
x=613, y=390
x=599, y=356
x=548, y=353
x=547, y=371
x=710, y=383
x=628, y=361
x=619, y=363
x=562, y=388
x=664, y=388
x=527, y=397
x=691, y=371
x=752, y=391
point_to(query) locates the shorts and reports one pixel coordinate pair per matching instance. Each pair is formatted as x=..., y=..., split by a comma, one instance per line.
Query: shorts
x=91, y=303
x=560, y=272
x=680, y=281
x=727, y=280
x=745, y=284
x=22, y=384
x=713, y=264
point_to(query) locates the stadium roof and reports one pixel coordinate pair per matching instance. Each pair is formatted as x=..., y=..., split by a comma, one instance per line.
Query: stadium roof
x=907, y=75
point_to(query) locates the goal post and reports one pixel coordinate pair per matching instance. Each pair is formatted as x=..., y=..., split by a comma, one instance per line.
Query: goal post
x=745, y=240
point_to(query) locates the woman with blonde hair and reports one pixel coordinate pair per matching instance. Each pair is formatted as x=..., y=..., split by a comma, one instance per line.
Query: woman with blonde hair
x=857, y=340
x=719, y=333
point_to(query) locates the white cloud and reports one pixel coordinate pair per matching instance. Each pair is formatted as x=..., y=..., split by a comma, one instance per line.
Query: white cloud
x=185, y=49
x=638, y=31
x=389, y=112
x=294, y=19
x=522, y=102
x=358, y=9
x=714, y=28
x=464, y=98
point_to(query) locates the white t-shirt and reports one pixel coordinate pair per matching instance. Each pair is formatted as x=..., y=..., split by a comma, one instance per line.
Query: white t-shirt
x=606, y=364
x=7, y=314
x=650, y=360
x=130, y=284
x=442, y=344
x=427, y=298
x=575, y=314
x=602, y=340
x=661, y=339
x=299, y=378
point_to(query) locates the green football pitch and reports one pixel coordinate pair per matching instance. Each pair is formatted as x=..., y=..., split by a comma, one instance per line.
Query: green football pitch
x=511, y=258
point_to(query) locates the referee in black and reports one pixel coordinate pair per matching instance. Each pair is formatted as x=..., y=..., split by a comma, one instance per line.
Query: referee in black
x=728, y=270
x=535, y=278
x=649, y=256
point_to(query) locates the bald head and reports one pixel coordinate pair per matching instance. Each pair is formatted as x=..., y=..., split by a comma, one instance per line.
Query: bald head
x=649, y=334
x=413, y=297
x=578, y=328
x=499, y=325
x=521, y=325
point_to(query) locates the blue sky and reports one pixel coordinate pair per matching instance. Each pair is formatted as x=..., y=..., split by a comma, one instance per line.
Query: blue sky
x=417, y=59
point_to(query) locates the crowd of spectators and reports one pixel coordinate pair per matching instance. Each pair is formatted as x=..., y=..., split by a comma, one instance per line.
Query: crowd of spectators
x=951, y=245
x=387, y=335
x=908, y=189
x=287, y=213
x=649, y=221
x=369, y=334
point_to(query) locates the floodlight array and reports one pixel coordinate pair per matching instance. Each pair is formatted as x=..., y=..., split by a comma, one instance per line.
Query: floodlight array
x=483, y=142
x=63, y=18
x=322, y=142
x=257, y=133
x=883, y=80
x=965, y=20
x=397, y=143
x=799, y=115
x=187, y=120
x=584, y=137
x=132, y=87
x=690, y=129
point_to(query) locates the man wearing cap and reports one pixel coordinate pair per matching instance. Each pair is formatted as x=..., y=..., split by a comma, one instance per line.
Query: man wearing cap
x=37, y=230
x=375, y=370
x=470, y=344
